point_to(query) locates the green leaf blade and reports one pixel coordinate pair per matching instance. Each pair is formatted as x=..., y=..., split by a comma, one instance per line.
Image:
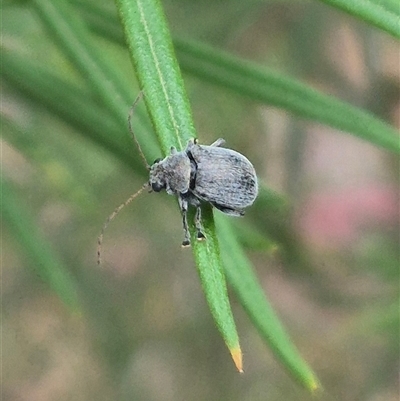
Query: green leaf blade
x=245, y=284
x=213, y=282
x=159, y=77
x=249, y=79
x=258, y=83
x=158, y=72
x=72, y=37
x=384, y=14
x=42, y=258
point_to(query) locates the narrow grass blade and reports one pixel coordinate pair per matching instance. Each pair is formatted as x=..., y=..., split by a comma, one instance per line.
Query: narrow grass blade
x=158, y=73
x=40, y=257
x=258, y=83
x=245, y=284
x=266, y=86
x=212, y=276
x=69, y=33
x=74, y=105
x=384, y=14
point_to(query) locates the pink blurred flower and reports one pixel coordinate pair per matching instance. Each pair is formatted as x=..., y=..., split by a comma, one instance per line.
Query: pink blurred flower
x=333, y=219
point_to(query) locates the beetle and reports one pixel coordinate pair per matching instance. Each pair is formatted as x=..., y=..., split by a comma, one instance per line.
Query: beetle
x=200, y=173
x=222, y=177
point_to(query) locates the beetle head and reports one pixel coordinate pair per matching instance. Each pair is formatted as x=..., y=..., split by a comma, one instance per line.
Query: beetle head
x=157, y=180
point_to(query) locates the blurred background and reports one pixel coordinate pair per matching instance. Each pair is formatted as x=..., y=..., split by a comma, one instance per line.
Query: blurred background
x=142, y=330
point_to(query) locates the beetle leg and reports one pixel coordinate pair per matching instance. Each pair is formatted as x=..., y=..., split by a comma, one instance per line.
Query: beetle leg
x=183, y=205
x=218, y=142
x=197, y=222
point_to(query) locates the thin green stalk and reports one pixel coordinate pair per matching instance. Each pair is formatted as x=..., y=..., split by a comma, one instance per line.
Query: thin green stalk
x=384, y=14
x=158, y=73
x=41, y=258
x=70, y=34
x=72, y=37
x=251, y=295
x=269, y=87
x=266, y=86
x=75, y=106
x=71, y=103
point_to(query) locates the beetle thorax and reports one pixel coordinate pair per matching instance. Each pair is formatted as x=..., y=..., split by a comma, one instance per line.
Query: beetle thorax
x=171, y=174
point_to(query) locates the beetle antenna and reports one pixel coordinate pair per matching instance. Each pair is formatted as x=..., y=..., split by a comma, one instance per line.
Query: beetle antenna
x=112, y=216
x=139, y=97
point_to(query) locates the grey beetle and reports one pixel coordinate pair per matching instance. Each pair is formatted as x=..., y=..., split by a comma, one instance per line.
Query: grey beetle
x=200, y=173
x=213, y=174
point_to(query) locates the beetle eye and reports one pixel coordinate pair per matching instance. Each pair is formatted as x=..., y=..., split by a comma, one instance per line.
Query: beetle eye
x=157, y=160
x=157, y=187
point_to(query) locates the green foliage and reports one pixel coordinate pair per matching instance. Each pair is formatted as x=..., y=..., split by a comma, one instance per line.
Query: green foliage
x=92, y=94
x=384, y=14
